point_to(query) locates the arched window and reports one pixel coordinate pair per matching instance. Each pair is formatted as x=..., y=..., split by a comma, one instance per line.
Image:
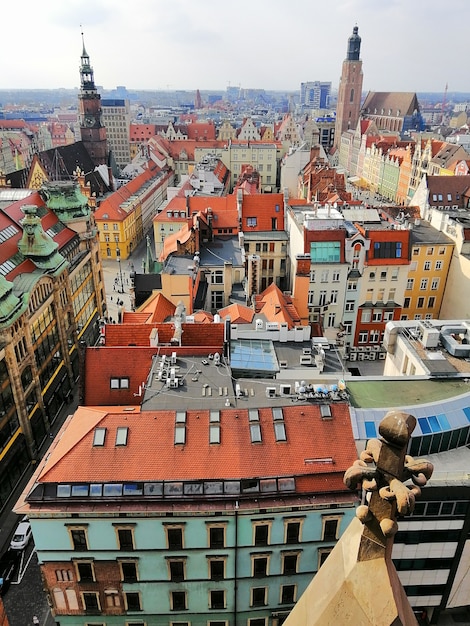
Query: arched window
x=351, y=96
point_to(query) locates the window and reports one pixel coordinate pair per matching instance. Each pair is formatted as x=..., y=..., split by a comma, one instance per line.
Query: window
x=325, y=251
x=217, y=536
x=257, y=621
x=395, y=272
x=420, y=303
x=125, y=538
x=292, y=530
x=423, y=284
x=365, y=315
x=442, y=250
x=352, y=285
x=435, y=284
x=105, y=226
x=324, y=276
x=79, y=539
x=363, y=336
x=217, y=599
x=312, y=276
x=349, y=305
x=388, y=316
x=330, y=528
x=336, y=276
x=177, y=570
x=178, y=601
x=265, y=247
x=383, y=275
x=128, y=571
x=431, y=302
x=415, y=251
x=289, y=562
x=322, y=300
x=174, y=537
x=132, y=600
x=91, y=602
x=334, y=297
x=217, y=569
x=410, y=283
x=271, y=246
x=63, y=575
x=261, y=534
x=251, y=222
x=377, y=315
x=430, y=251
x=288, y=594
x=438, y=265
x=258, y=596
x=427, y=265
x=119, y=383
x=374, y=336
x=217, y=277
x=85, y=571
x=259, y=566
x=322, y=555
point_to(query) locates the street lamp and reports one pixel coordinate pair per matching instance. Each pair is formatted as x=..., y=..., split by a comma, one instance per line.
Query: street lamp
x=121, y=289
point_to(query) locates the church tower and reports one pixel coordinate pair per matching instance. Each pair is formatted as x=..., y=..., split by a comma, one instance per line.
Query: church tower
x=92, y=130
x=350, y=89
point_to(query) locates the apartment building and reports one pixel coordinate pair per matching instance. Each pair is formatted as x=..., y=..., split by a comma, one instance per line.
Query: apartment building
x=164, y=523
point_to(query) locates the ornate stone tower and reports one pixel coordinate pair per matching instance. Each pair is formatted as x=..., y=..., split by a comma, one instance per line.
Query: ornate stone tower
x=350, y=89
x=92, y=130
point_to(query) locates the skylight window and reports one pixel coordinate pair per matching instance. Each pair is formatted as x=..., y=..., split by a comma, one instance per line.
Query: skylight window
x=181, y=417
x=214, y=433
x=99, y=436
x=253, y=415
x=121, y=435
x=280, y=431
x=180, y=434
x=255, y=433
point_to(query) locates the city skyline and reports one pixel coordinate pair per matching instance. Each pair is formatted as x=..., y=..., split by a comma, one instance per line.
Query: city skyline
x=172, y=46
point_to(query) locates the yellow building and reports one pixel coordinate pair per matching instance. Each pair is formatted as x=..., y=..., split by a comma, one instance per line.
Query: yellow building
x=431, y=255
x=126, y=215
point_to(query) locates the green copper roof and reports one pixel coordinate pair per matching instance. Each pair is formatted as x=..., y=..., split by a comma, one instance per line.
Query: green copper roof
x=37, y=246
x=66, y=200
x=11, y=306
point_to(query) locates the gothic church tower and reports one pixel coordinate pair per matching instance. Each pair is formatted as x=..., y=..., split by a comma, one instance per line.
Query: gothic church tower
x=92, y=130
x=350, y=89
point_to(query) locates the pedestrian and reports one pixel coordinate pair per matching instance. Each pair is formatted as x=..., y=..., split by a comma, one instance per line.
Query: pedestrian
x=35, y=619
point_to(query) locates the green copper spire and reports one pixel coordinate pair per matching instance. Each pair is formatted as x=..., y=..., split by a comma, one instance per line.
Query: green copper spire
x=37, y=246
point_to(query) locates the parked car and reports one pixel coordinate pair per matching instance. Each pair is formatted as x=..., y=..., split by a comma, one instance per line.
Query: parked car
x=8, y=567
x=21, y=537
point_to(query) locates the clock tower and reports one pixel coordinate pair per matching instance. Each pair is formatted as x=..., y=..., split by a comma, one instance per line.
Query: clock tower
x=348, y=106
x=92, y=130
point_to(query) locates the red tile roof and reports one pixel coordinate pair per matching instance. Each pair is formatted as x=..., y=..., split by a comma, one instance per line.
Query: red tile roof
x=150, y=453
x=277, y=307
x=237, y=313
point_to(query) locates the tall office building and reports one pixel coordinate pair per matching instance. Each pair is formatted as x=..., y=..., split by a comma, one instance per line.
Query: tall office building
x=117, y=119
x=350, y=88
x=315, y=95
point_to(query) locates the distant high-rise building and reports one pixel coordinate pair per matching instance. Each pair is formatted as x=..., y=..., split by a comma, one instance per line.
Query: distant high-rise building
x=315, y=95
x=350, y=88
x=117, y=120
x=92, y=129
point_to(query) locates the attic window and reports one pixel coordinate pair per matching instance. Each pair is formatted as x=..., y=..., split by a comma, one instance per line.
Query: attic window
x=121, y=436
x=119, y=383
x=180, y=417
x=99, y=436
x=253, y=415
x=325, y=411
x=180, y=434
x=214, y=416
x=278, y=414
x=255, y=433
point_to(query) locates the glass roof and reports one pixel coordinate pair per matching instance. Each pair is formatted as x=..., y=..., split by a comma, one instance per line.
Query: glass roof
x=253, y=355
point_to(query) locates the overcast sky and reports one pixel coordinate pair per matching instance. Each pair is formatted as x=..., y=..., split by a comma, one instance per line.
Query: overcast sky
x=407, y=45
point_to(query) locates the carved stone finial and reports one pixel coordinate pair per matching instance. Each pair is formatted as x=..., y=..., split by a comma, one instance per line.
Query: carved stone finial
x=382, y=470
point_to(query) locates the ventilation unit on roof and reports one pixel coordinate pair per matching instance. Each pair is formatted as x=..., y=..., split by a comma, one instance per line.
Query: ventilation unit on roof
x=272, y=326
x=270, y=392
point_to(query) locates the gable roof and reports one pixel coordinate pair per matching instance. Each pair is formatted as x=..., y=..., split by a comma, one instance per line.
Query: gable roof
x=151, y=454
